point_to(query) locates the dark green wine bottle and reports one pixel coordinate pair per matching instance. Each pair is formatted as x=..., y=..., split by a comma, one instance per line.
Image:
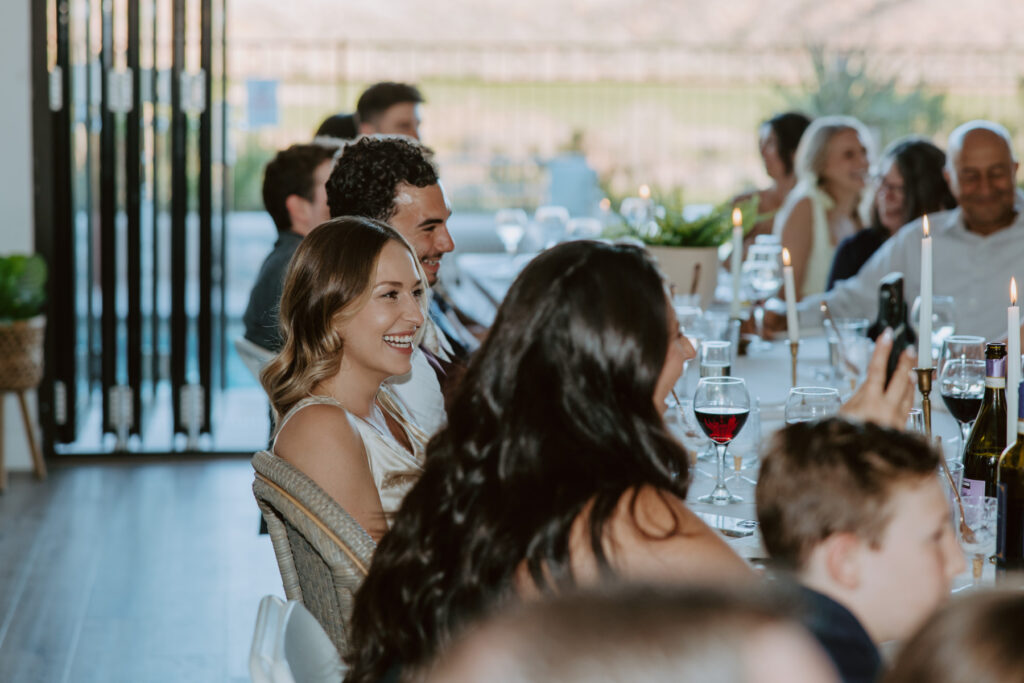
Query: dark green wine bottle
x=988, y=436
x=1010, y=486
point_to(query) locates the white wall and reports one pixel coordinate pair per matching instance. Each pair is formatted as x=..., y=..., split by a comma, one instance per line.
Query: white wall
x=16, y=230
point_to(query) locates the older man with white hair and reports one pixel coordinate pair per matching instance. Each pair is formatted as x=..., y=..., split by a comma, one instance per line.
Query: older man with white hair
x=977, y=247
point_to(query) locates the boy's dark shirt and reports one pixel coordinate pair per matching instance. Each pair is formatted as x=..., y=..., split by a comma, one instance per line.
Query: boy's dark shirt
x=843, y=637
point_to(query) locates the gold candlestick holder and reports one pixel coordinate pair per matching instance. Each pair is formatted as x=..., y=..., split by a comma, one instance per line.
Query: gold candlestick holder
x=794, y=349
x=924, y=385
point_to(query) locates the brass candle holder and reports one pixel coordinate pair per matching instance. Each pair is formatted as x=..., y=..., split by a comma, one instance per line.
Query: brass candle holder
x=924, y=385
x=794, y=348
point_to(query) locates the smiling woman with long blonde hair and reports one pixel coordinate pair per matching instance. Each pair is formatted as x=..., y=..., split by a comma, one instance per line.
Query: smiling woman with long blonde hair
x=352, y=305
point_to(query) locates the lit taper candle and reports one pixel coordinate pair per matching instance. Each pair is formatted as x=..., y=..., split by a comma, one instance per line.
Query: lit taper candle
x=792, y=321
x=737, y=265
x=924, y=342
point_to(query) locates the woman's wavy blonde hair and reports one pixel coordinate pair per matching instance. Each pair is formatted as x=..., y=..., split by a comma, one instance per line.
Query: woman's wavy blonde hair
x=329, y=279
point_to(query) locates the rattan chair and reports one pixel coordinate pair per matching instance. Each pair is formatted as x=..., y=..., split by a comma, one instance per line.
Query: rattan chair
x=322, y=552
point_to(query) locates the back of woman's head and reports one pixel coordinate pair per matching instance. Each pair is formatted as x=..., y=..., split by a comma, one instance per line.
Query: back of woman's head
x=920, y=164
x=789, y=128
x=328, y=280
x=555, y=414
x=975, y=639
x=576, y=348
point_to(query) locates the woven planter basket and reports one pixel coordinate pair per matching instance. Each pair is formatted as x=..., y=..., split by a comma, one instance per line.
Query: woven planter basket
x=21, y=354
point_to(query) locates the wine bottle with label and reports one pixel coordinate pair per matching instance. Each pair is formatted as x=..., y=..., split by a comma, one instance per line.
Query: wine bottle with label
x=988, y=437
x=1010, y=487
x=892, y=313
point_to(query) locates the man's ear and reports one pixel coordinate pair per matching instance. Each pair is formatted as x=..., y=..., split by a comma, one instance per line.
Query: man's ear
x=298, y=213
x=948, y=177
x=843, y=553
x=367, y=129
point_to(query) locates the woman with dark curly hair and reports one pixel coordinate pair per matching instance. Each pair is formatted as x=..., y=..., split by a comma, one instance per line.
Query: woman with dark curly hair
x=911, y=184
x=556, y=468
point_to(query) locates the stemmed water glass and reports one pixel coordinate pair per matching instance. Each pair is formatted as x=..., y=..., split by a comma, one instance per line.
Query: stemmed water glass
x=811, y=403
x=721, y=406
x=511, y=226
x=943, y=318
x=962, y=380
x=552, y=222
x=762, y=275
x=981, y=517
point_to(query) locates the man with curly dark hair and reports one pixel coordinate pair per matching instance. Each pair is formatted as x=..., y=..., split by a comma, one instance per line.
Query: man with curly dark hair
x=393, y=179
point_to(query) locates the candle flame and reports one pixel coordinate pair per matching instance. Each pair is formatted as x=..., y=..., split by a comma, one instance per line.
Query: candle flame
x=606, y=204
x=737, y=217
x=927, y=232
x=1013, y=291
x=785, y=256
x=645, y=192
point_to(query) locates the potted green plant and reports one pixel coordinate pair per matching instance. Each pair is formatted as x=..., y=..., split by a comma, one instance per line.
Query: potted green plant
x=22, y=329
x=688, y=249
x=22, y=323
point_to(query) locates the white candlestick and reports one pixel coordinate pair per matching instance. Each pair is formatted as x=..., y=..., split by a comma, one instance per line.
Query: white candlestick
x=737, y=265
x=792, y=321
x=1012, y=363
x=924, y=348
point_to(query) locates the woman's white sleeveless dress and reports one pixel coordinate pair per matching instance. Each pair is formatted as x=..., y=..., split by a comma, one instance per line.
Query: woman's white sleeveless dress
x=394, y=469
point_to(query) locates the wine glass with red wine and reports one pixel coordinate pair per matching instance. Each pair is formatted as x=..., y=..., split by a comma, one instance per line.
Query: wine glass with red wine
x=721, y=406
x=962, y=379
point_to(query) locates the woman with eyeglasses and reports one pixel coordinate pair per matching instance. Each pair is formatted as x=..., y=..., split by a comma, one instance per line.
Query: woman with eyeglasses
x=911, y=184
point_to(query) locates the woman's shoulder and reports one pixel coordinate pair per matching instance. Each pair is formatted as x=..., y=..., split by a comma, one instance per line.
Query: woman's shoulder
x=316, y=427
x=653, y=535
x=797, y=210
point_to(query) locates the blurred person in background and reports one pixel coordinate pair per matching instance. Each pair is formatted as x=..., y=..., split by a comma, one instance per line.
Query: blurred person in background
x=338, y=127
x=637, y=633
x=975, y=639
x=383, y=109
x=295, y=196
x=833, y=161
x=779, y=137
x=389, y=109
x=911, y=185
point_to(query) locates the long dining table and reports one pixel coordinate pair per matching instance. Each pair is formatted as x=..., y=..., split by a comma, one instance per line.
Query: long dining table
x=768, y=379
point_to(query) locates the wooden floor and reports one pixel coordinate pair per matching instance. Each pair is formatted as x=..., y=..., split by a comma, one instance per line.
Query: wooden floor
x=138, y=572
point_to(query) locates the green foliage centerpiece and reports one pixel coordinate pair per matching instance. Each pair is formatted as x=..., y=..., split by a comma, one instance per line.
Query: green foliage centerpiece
x=687, y=249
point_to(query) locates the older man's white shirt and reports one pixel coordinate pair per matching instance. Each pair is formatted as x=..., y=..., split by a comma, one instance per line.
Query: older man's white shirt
x=974, y=269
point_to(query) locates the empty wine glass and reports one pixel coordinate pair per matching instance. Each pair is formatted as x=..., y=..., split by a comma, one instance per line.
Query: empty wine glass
x=981, y=516
x=943, y=319
x=962, y=380
x=637, y=211
x=721, y=406
x=510, y=224
x=583, y=228
x=811, y=403
x=762, y=276
x=552, y=222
